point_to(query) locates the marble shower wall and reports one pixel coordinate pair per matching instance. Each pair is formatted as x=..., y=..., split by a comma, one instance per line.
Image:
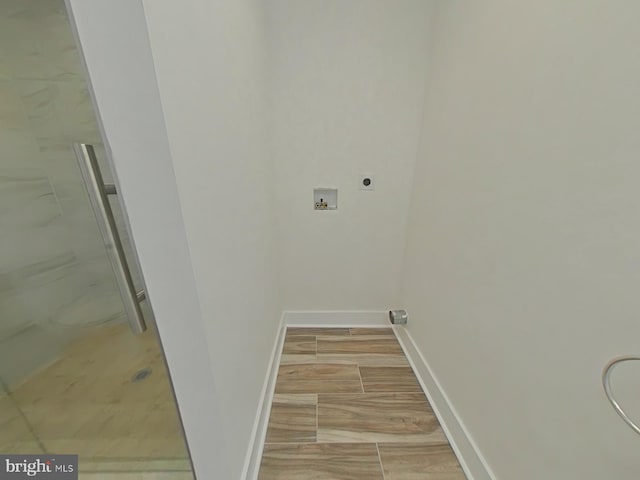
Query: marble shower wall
x=54, y=272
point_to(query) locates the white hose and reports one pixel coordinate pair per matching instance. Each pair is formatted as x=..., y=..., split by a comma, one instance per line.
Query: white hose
x=606, y=382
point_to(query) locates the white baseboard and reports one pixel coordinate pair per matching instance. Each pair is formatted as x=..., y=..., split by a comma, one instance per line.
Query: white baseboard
x=261, y=422
x=337, y=318
x=307, y=319
x=470, y=457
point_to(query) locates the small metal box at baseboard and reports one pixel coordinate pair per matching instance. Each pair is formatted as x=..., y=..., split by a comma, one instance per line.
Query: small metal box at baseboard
x=398, y=317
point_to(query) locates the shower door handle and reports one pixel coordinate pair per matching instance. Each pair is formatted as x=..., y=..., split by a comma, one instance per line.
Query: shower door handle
x=98, y=197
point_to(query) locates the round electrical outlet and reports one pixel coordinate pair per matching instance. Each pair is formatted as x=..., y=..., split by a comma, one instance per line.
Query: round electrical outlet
x=367, y=182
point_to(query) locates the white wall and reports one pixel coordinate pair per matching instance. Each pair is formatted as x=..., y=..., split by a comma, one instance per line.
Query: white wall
x=521, y=274
x=347, y=82
x=192, y=158
x=210, y=63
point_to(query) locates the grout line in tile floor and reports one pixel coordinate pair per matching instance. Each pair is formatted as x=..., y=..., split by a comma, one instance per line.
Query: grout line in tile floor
x=97, y=428
x=380, y=460
x=360, y=377
x=23, y=416
x=341, y=451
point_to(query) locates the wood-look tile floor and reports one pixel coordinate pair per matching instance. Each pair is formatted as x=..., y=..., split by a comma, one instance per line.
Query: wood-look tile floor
x=347, y=406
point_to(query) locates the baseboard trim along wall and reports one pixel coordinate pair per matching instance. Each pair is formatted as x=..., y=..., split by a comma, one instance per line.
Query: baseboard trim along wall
x=465, y=448
x=291, y=319
x=471, y=459
x=259, y=433
x=354, y=318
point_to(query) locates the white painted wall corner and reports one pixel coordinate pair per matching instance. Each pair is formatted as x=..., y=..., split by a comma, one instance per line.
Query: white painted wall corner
x=259, y=432
x=470, y=457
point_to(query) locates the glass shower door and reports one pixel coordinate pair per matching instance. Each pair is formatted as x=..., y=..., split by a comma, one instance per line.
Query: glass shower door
x=74, y=378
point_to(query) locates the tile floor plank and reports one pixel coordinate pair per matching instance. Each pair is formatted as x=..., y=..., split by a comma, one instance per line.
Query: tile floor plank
x=318, y=378
x=292, y=419
x=364, y=392
x=289, y=358
x=356, y=345
x=377, y=417
x=365, y=359
x=359, y=331
x=300, y=345
x=362, y=359
x=389, y=379
x=320, y=462
x=317, y=331
x=419, y=462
